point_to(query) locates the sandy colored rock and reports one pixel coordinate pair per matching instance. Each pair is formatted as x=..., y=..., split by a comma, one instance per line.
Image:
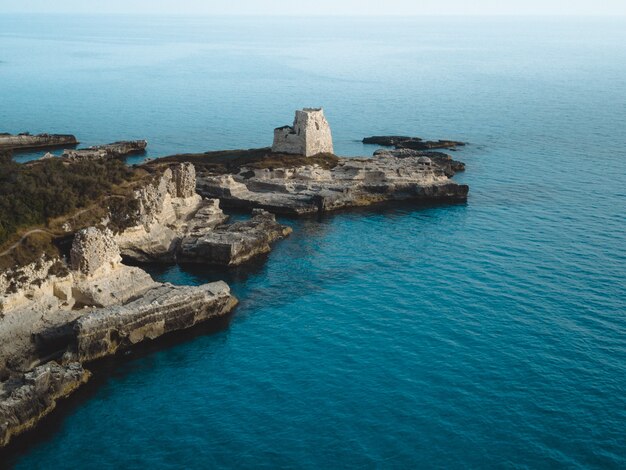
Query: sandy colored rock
x=25, y=401
x=92, y=248
x=159, y=311
x=352, y=182
x=232, y=244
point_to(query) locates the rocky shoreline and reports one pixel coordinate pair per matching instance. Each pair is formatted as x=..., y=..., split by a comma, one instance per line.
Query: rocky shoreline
x=26, y=141
x=59, y=314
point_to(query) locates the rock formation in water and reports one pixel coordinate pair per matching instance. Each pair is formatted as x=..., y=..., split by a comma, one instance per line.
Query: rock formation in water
x=176, y=224
x=161, y=310
x=41, y=141
x=81, y=312
x=234, y=244
x=413, y=143
x=352, y=182
x=442, y=160
x=115, y=150
x=309, y=135
x=94, y=305
x=25, y=400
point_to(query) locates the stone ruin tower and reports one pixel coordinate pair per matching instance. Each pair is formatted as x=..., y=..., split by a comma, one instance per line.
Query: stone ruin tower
x=309, y=135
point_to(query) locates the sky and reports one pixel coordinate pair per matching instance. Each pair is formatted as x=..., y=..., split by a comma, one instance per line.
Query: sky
x=321, y=7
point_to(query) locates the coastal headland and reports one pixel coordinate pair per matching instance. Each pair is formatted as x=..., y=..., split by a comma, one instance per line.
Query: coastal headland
x=68, y=297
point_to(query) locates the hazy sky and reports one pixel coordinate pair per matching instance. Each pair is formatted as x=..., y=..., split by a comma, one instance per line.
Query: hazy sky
x=324, y=7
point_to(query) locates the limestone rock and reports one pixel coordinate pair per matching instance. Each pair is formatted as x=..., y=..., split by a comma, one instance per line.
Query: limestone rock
x=25, y=401
x=309, y=135
x=161, y=310
x=164, y=209
x=352, y=182
x=184, y=179
x=442, y=160
x=115, y=150
x=92, y=248
x=231, y=245
x=26, y=141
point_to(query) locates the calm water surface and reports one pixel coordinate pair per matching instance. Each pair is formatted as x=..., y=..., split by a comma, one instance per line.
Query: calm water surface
x=487, y=334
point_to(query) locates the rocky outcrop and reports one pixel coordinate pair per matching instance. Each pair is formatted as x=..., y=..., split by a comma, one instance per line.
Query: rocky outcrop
x=163, y=210
x=309, y=135
x=414, y=143
x=100, y=279
x=115, y=150
x=41, y=141
x=442, y=160
x=92, y=248
x=176, y=225
x=234, y=244
x=93, y=310
x=352, y=182
x=25, y=401
x=159, y=311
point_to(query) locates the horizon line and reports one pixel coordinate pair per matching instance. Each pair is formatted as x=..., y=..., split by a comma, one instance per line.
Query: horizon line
x=319, y=15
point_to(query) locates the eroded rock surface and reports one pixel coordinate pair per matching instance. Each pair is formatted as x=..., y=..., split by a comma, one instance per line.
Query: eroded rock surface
x=352, y=182
x=444, y=161
x=114, y=150
x=93, y=248
x=176, y=225
x=27, y=399
x=163, y=210
x=26, y=141
x=159, y=311
x=234, y=244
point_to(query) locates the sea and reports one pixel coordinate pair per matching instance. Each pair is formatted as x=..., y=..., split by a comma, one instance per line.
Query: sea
x=490, y=334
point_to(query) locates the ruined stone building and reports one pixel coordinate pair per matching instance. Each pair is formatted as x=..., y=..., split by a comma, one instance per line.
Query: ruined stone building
x=309, y=135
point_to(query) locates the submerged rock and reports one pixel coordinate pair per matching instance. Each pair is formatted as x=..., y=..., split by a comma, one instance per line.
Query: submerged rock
x=352, y=182
x=25, y=401
x=414, y=143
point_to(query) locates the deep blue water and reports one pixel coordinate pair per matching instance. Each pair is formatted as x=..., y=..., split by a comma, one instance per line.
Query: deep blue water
x=491, y=334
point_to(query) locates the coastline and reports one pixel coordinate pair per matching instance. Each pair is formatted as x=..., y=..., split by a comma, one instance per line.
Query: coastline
x=95, y=305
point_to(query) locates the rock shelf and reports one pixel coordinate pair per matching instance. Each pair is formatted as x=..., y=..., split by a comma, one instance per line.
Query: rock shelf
x=40, y=141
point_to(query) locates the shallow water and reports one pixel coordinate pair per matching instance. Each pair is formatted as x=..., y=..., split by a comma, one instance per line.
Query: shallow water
x=484, y=334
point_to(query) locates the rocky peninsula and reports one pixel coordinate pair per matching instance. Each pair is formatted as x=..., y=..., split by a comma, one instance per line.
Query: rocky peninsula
x=67, y=307
x=26, y=141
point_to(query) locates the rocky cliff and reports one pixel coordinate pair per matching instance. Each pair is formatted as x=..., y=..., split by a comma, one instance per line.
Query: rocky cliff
x=25, y=400
x=83, y=311
x=174, y=224
x=161, y=310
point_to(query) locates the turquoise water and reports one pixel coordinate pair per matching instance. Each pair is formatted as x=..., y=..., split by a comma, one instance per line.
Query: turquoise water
x=491, y=334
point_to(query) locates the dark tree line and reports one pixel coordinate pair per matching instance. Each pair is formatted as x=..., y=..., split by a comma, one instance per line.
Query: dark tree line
x=32, y=194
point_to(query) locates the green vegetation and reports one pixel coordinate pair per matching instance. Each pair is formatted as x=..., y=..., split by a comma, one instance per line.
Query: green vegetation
x=231, y=161
x=35, y=193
